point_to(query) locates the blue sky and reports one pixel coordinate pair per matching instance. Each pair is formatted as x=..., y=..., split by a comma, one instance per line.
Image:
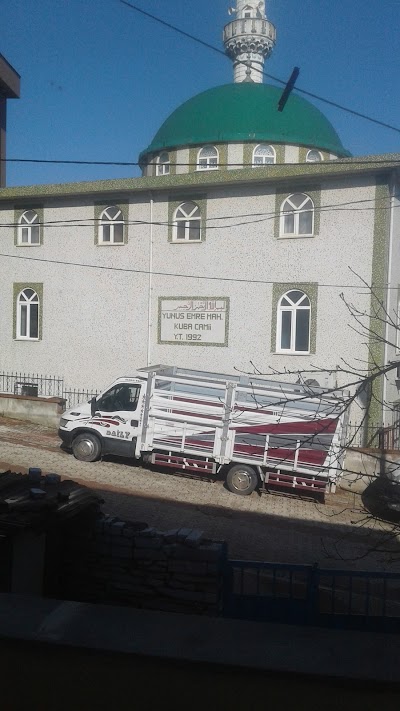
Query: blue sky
x=99, y=79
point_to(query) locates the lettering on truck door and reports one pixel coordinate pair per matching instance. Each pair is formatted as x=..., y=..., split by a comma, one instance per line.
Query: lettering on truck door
x=117, y=417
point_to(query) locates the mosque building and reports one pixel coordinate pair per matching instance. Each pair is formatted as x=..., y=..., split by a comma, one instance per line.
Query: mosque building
x=237, y=248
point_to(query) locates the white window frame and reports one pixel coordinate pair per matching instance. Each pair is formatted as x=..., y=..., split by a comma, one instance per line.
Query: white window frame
x=264, y=161
x=107, y=221
x=23, y=300
x=163, y=166
x=206, y=160
x=293, y=309
x=297, y=212
x=25, y=226
x=188, y=221
x=311, y=160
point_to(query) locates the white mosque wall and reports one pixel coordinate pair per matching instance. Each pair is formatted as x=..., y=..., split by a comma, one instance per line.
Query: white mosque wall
x=101, y=319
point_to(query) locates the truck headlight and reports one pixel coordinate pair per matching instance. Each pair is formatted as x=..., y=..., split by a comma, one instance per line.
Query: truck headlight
x=63, y=422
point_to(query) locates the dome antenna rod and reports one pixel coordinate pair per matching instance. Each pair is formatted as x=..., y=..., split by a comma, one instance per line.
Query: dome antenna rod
x=288, y=88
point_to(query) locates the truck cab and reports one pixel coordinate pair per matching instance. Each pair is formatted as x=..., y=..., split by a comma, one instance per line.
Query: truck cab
x=108, y=424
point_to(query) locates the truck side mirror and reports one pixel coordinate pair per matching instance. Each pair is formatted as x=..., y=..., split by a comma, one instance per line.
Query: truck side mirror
x=93, y=406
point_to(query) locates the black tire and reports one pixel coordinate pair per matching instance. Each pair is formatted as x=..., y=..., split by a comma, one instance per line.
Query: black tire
x=86, y=447
x=241, y=480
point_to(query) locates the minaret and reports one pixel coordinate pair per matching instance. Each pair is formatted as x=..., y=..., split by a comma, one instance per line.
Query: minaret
x=249, y=40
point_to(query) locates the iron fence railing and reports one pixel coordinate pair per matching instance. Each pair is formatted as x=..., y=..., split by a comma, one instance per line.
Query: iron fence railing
x=37, y=385
x=376, y=435
x=307, y=594
x=74, y=397
x=31, y=384
x=34, y=384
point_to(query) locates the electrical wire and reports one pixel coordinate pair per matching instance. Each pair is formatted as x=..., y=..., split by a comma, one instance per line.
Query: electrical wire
x=263, y=216
x=269, y=76
x=218, y=278
x=127, y=164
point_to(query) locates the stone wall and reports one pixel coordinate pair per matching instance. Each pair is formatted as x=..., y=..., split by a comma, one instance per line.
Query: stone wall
x=363, y=466
x=39, y=410
x=129, y=563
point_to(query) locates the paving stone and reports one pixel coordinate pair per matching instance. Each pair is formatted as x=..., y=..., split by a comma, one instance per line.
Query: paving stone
x=117, y=528
x=149, y=543
x=145, y=554
x=271, y=527
x=171, y=536
x=194, y=538
x=183, y=533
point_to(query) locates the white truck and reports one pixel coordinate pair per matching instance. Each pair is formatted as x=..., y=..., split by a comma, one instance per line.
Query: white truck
x=251, y=430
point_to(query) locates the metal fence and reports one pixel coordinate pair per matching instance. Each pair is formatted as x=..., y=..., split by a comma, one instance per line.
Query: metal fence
x=36, y=385
x=376, y=435
x=306, y=594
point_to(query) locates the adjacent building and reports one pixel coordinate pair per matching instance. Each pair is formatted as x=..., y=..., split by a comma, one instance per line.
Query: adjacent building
x=9, y=89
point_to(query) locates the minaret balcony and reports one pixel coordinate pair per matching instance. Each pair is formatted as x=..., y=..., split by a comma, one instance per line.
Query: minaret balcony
x=249, y=26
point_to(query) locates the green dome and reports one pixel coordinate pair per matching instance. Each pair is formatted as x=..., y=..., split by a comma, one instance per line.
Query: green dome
x=246, y=112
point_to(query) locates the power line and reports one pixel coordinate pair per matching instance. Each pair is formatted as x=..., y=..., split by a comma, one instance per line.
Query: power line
x=128, y=164
x=185, y=276
x=269, y=76
x=263, y=216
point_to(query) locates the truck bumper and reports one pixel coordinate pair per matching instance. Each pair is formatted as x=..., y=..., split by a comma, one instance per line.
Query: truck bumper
x=66, y=438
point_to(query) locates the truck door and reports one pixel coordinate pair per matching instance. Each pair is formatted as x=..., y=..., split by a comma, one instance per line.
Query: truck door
x=117, y=414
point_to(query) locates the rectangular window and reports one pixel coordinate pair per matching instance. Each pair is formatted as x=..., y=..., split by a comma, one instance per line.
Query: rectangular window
x=180, y=230
x=288, y=224
x=163, y=169
x=35, y=234
x=118, y=232
x=106, y=233
x=24, y=320
x=194, y=230
x=34, y=321
x=286, y=330
x=305, y=223
x=302, y=330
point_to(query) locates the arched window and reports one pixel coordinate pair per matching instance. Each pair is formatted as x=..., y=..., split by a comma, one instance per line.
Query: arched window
x=111, y=226
x=29, y=229
x=187, y=223
x=314, y=156
x=263, y=155
x=28, y=315
x=247, y=11
x=293, y=323
x=207, y=158
x=297, y=215
x=163, y=163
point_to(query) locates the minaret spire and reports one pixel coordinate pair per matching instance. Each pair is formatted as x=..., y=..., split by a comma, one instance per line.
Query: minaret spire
x=249, y=39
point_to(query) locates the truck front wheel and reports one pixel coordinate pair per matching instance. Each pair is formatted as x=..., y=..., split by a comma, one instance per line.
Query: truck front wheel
x=241, y=480
x=86, y=447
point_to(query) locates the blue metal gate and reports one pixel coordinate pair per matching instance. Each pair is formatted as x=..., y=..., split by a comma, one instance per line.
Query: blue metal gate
x=306, y=594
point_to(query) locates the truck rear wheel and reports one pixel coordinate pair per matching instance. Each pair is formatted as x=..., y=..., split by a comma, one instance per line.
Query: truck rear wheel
x=86, y=447
x=241, y=480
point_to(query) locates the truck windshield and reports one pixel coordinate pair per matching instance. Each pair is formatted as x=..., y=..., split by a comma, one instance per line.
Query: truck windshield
x=123, y=397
